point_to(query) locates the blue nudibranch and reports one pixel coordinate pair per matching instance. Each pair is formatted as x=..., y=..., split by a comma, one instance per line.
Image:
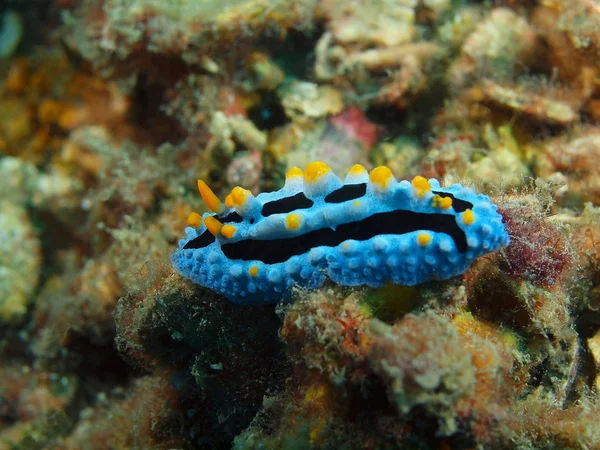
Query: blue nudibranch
x=368, y=230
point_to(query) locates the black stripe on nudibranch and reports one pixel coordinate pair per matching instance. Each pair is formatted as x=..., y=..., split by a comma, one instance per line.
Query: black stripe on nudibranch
x=457, y=204
x=393, y=222
x=286, y=205
x=347, y=192
x=204, y=240
x=231, y=217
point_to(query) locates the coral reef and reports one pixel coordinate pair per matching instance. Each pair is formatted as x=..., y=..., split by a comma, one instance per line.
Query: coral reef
x=20, y=261
x=432, y=374
x=110, y=110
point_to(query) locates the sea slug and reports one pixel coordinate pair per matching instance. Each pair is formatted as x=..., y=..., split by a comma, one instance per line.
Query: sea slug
x=368, y=230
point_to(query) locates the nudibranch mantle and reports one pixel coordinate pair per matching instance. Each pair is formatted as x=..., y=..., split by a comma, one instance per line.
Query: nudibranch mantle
x=368, y=230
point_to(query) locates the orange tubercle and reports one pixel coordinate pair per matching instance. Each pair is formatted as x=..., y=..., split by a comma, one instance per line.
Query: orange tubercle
x=294, y=172
x=441, y=202
x=209, y=197
x=315, y=170
x=228, y=231
x=293, y=221
x=381, y=175
x=421, y=185
x=357, y=169
x=446, y=202
x=468, y=217
x=424, y=239
x=213, y=225
x=239, y=196
x=194, y=219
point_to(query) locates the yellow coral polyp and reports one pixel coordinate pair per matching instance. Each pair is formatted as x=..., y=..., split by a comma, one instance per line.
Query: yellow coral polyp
x=381, y=176
x=194, y=219
x=209, y=197
x=421, y=185
x=239, y=195
x=315, y=170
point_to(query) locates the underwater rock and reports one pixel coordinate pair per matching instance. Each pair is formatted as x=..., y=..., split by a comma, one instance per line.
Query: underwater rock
x=245, y=169
x=481, y=93
x=52, y=190
x=501, y=44
x=575, y=160
x=305, y=101
x=20, y=261
x=501, y=168
x=353, y=123
x=124, y=38
x=330, y=335
x=33, y=406
x=536, y=105
x=593, y=344
x=423, y=363
x=346, y=138
x=368, y=23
